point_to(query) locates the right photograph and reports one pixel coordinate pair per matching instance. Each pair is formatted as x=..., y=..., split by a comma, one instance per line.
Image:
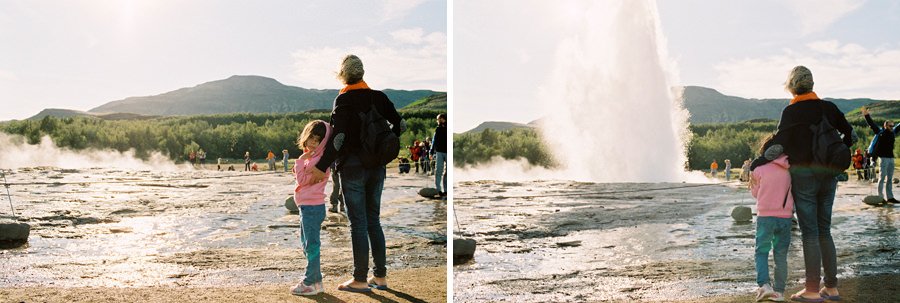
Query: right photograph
x=662, y=151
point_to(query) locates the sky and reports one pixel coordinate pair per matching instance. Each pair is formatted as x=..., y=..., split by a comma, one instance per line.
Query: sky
x=80, y=54
x=503, y=51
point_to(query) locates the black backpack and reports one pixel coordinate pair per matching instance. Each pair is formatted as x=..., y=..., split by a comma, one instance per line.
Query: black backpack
x=379, y=145
x=828, y=149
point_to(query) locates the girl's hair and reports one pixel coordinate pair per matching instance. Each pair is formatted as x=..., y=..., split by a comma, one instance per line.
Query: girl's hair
x=315, y=128
x=764, y=143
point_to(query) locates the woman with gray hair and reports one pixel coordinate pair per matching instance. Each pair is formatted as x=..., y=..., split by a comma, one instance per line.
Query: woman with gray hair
x=813, y=186
x=361, y=185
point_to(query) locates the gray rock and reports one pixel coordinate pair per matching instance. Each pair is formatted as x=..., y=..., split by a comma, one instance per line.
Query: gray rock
x=873, y=200
x=429, y=192
x=463, y=250
x=742, y=214
x=13, y=234
x=290, y=205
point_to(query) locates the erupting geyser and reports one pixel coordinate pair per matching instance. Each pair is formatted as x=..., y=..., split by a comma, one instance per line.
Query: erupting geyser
x=613, y=114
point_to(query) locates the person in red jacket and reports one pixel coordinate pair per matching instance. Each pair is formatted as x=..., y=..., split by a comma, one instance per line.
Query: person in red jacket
x=858, y=164
x=414, y=153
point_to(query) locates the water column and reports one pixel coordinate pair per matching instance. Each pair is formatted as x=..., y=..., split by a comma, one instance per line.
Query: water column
x=613, y=115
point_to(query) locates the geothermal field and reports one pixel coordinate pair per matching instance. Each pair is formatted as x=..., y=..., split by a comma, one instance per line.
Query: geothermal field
x=563, y=241
x=112, y=229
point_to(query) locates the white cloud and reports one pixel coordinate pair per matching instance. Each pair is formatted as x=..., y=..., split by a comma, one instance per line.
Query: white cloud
x=817, y=15
x=398, y=66
x=839, y=70
x=394, y=9
x=409, y=35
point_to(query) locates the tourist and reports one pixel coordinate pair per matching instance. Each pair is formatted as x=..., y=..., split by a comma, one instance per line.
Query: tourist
x=813, y=185
x=439, y=149
x=883, y=147
x=310, y=199
x=362, y=185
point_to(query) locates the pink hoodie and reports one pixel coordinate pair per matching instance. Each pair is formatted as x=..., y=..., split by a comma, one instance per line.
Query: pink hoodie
x=772, y=189
x=313, y=194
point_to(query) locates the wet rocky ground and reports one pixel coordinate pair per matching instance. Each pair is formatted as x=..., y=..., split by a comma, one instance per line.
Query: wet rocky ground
x=117, y=228
x=542, y=241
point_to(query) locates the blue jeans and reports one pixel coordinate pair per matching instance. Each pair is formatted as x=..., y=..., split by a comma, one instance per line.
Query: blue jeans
x=441, y=158
x=887, y=178
x=336, y=199
x=772, y=231
x=814, y=198
x=286, y=164
x=311, y=217
x=361, y=188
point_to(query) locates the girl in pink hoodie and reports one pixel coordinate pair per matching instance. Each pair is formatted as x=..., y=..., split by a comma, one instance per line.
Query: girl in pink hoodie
x=311, y=201
x=770, y=184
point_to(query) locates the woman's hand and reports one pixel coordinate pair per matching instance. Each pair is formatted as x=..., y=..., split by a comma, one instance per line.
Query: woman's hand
x=864, y=111
x=315, y=175
x=306, y=154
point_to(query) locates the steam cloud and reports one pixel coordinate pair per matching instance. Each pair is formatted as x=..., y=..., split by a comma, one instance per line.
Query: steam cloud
x=15, y=152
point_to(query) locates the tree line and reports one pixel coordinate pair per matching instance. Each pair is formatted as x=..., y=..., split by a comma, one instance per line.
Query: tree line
x=220, y=136
x=736, y=141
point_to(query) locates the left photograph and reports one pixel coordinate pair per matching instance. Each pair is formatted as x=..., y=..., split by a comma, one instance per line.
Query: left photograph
x=162, y=151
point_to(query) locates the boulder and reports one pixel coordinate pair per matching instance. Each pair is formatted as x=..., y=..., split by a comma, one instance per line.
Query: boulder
x=429, y=192
x=742, y=214
x=13, y=234
x=291, y=206
x=873, y=200
x=463, y=250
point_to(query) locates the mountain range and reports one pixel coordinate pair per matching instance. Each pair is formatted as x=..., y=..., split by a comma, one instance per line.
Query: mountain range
x=236, y=94
x=707, y=105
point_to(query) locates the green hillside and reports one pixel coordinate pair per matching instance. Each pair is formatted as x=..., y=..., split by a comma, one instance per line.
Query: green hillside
x=241, y=94
x=498, y=126
x=438, y=101
x=707, y=105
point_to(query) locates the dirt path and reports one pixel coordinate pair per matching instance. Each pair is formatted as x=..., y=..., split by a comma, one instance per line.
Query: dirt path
x=410, y=285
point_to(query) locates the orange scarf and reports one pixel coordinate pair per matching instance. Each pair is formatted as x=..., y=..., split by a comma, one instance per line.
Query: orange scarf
x=358, y=85
x=805, y=97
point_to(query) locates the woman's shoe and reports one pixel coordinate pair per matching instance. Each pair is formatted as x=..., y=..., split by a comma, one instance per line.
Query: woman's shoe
x=798, y=297
x=346, y=287
x=825, y=295
x=377, y=286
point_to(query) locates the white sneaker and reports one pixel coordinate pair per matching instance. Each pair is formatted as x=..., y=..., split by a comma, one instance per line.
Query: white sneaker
x=765, y=292
x=777, y=297
x=301, y=289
